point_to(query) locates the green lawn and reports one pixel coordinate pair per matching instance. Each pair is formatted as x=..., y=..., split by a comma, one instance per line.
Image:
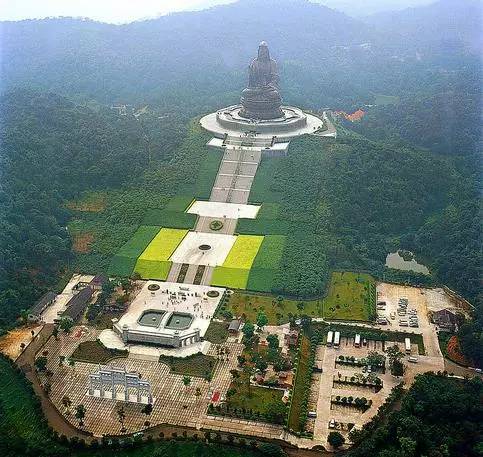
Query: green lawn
x=243, y=252
x=197, y=365
x=153, y=262
x=179, y=203
x=233, y=278
x=255, y=398
x=264, y=270
x=153, y=269
x=95, y=352
x=351, y=296
x=123, y=263
x=170, y=219
x=248, y=305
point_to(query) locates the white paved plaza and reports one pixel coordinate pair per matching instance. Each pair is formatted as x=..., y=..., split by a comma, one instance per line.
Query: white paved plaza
x=224, y=210
x=189, y=249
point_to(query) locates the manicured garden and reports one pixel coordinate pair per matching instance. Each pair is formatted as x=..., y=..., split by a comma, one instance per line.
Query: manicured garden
x=197, y=365
x=217, y=332
x=95, y=352
x=249, y=401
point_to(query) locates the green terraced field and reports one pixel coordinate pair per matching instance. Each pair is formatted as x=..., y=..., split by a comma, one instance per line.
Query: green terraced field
x=122, y=264
x=243, y=252
x=236, y=268
x=234, y=278
x=154, y=261
x=163, y=244
x=264, y=270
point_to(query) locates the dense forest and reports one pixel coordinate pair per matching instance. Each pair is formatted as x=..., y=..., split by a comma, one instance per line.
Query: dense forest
x=52, y=151
x=438, y=417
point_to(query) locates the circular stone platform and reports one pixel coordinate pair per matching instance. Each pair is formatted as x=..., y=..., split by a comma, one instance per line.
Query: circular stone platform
x=229, y=122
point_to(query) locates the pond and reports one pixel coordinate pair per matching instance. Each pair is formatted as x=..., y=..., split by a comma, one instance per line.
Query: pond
x=397, y=261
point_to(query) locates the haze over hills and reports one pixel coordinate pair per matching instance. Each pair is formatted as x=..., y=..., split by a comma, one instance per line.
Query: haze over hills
x=367, y=7
x=326, y=57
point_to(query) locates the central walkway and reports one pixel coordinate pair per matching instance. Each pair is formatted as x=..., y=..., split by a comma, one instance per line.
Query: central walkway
x=232, y=185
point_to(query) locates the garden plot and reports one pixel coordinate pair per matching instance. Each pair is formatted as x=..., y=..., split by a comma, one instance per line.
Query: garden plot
x=154, y=261
x=223, y=210
x=199, y=248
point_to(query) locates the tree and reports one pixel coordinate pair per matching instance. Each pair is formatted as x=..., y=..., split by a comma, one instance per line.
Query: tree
x=66, y=402
x=276, y=412
x=374, y=359
x=41, y=363
x=80, y=414
x=261, y=364
x=335, y=439
x=271, y=450
x=262, y=320
x=186, y=381
x=394, y=355
x=66, y=324
x=273, y=341
x=55, y=332
x=248, y=330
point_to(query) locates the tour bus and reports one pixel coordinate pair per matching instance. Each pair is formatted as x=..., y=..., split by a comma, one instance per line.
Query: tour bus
x=407, y=345
x=330, y=338
x=357, y=341
x=336, y=339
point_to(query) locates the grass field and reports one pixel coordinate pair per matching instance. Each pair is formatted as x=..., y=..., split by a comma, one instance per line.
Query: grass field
x=197, y=365
x=163, y=244
x=234, y=278
x=179, y=203
x=217, y=332
x=123, y=263
x=207, y=174
x=138, y=243
x=248, y=306
x=264, y=270
x=243, y=252
x=235, y=270
x=170, y=219
x=153, y=269
x=349, y=296
x=252, y=398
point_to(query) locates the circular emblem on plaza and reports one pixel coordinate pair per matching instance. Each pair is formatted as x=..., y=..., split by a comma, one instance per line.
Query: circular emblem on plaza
x=204, y=247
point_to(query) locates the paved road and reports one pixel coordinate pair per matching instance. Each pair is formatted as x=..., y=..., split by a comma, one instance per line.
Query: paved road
x=26, y=363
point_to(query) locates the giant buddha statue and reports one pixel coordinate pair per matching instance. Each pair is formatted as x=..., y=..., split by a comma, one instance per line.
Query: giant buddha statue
x=261, y=99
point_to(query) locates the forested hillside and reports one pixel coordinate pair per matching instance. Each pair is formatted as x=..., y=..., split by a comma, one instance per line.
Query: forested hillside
x=51, y=151
x=438, y=417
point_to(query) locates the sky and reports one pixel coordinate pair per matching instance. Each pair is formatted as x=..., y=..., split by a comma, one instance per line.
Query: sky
x=122, y=11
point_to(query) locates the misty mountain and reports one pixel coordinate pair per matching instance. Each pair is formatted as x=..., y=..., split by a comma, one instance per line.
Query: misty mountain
x=367, y=7
x=444, y=25
x=326, y=57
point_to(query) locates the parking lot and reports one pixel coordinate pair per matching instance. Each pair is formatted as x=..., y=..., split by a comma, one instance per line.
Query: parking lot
x=341, y=415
